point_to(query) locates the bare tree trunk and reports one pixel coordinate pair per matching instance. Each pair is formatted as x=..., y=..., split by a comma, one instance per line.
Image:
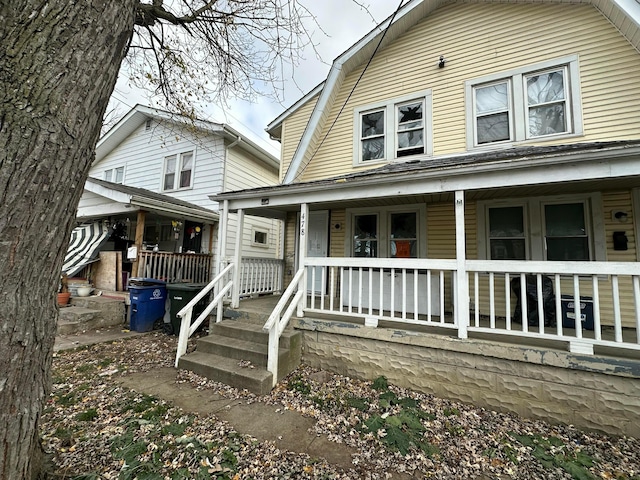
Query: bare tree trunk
x=59, y=62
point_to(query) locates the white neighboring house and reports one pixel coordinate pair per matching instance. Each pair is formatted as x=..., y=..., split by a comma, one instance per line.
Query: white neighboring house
x=150, y=182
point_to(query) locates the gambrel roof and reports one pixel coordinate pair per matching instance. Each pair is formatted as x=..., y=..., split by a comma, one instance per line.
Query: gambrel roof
x=623, y=14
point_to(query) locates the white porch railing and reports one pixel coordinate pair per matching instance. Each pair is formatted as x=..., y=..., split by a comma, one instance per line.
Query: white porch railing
x=505, y=297
x=175, y=267
x=260, y=276
x=608, y=306
x=278, y=321
x=403, y=290
x=220, y=285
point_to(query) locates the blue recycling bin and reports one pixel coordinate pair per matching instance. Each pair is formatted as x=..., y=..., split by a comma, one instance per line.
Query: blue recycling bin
x=148, y=297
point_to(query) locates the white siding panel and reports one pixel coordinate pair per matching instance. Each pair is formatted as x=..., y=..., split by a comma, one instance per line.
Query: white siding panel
x=142, y=154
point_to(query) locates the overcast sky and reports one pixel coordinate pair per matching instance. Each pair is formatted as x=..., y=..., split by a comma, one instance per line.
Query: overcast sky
x=344, y=23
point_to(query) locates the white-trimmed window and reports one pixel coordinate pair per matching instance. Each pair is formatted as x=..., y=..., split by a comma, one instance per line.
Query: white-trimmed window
x=115, y=175
x=259, y=238
x=565, y=228
x=507, y=235
x=390, y=232
x=178, y=171
x=530, y=103
x=391, y=130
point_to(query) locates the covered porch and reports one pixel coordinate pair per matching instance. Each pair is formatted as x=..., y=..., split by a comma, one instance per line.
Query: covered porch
x=455, y=270
x=453, y=302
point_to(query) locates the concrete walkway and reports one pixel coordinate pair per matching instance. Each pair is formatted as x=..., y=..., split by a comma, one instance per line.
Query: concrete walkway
x=91, y=337
x=288, y=430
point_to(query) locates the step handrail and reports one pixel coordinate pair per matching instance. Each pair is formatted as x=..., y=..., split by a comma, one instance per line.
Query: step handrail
x=276, y=323
x=186, y=327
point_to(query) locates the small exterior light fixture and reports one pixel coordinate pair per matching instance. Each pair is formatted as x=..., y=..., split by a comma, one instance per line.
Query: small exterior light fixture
x=442, y=61
x=620, y=216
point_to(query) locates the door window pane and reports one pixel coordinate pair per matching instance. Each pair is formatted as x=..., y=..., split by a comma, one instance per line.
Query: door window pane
x=506, y=233
x=404, y=235
x=365, y=240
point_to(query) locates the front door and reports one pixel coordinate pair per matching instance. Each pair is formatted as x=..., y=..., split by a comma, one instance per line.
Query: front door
x=317, y=246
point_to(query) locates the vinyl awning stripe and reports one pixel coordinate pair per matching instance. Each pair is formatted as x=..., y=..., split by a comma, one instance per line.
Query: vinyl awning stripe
x=84, y=246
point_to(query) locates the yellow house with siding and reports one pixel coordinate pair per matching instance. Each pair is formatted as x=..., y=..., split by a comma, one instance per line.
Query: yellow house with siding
x=459, y=191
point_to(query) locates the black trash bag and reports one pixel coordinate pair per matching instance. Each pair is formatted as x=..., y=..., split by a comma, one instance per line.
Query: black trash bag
x=548, y=301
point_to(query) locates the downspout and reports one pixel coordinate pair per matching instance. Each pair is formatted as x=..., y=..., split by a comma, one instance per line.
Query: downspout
x=224, y=163
x=224, y=229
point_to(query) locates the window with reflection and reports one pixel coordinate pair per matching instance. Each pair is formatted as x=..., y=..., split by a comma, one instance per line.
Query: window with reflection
x=507, y=239
x=365, y=236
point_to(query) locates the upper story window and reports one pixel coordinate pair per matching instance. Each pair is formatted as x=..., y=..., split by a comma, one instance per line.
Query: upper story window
x=115, y=175
x=530, y=103
x=178, y=171
x=390, y=130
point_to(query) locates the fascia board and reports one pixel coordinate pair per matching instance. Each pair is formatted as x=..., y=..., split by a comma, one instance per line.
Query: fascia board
x=631, y=8
x=106, y=192
x=251, y=147
x=101, y=211
x=275, y=124
x=173, y=209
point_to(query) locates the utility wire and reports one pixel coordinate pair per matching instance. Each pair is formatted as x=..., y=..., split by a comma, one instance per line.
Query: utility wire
x=393, y=16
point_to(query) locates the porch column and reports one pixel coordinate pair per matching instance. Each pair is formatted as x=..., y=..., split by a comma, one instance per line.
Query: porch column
x=138, y=242
x=221, y=251
x=302, y=254
x=462, y=283
x=237, y=261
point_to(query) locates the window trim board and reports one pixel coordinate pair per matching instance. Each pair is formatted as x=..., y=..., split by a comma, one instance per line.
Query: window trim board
x=515, y=77
x=384, y=215
x=533, y=223
x=390, y=127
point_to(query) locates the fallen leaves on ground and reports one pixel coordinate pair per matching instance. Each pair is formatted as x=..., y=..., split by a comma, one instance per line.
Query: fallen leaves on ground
x=96, y=429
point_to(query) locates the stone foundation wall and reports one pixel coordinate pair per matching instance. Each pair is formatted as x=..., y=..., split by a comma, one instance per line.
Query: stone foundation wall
x=591, y=392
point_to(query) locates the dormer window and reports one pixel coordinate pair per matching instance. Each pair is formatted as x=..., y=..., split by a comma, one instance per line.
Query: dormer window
x=526, y=104
x=392, y=130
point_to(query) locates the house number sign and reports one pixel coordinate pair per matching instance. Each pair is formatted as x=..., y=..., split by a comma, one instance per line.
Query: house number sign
x=302, y=223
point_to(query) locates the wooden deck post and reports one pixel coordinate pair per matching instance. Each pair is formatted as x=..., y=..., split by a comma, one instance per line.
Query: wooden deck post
x=462, y=283
x=221, y=252
x=138, y=243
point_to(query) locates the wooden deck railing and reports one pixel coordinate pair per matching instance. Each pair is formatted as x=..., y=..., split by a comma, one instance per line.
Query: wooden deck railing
x=175, y=267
